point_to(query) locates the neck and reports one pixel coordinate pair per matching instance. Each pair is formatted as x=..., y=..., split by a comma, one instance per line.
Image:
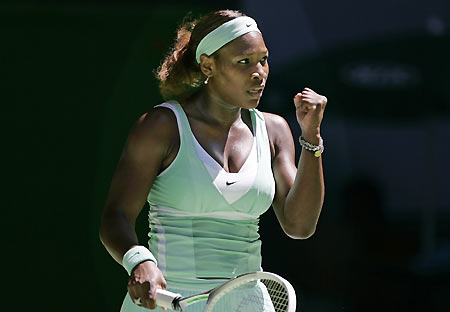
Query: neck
x=213, y=110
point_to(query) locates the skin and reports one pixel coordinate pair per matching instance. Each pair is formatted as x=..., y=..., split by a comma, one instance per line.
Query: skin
x=219, y=118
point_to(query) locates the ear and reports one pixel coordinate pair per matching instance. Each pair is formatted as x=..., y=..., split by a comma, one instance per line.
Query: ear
x=207, y=65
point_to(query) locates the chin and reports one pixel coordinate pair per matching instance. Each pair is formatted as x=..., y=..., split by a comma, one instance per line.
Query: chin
x=245, y=101
x=253, y=103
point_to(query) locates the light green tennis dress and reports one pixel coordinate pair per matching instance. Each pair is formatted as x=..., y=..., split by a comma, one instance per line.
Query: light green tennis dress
x=204, y=220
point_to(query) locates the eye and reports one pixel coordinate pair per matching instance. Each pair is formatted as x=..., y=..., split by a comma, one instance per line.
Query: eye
x=264, y=59
x=244, y=61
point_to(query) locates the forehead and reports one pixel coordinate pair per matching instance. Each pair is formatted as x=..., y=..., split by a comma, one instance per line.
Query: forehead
x=250, y=43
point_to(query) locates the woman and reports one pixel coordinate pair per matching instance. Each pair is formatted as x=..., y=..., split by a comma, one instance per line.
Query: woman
x=210, y=164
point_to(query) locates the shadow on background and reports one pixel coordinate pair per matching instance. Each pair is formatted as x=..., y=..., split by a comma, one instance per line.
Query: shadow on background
x=78, y=75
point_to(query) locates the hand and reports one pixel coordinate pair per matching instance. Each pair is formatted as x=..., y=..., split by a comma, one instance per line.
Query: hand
x=143, y=282
x=309, y=110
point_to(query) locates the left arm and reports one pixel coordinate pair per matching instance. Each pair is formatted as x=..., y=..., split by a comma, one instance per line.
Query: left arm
x=299, y=193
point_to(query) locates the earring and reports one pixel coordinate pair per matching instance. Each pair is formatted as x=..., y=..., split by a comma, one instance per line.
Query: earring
x=206, y=81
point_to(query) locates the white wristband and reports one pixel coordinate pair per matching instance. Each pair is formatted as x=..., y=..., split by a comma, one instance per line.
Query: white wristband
x=135, y=256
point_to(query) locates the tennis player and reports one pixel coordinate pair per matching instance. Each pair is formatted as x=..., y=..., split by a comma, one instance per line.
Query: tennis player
x=209, y=164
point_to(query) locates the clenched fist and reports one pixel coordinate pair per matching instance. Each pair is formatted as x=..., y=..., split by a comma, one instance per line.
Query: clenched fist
x=310, y=107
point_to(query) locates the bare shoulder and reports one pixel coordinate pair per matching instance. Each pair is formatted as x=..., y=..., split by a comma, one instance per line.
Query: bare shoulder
x=277, y=127
x=160, y=120
x=275, y=120
x=155, y=132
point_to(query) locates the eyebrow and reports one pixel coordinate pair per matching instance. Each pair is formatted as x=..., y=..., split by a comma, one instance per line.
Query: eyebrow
x=250, y=54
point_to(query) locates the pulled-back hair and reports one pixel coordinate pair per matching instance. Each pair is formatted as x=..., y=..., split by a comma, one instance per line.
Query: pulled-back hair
x=179, y=74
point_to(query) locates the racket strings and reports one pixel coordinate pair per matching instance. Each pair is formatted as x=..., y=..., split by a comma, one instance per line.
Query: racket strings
x=268, y=296
x=278, y=295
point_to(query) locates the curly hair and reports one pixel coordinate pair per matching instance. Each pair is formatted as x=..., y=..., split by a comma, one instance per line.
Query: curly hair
x=179, y=74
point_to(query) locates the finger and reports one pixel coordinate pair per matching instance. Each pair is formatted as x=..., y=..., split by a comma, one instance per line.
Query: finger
x=314, y=100
x=308, y=103
x=305, y=101
x=163, y=284
x=132, y=292
x=308, y=95
x=146, y=301
x=139, y=293
x=297, y=100
x=152, y=296
x=149, y=304
x=304, y=108
x=309, y=106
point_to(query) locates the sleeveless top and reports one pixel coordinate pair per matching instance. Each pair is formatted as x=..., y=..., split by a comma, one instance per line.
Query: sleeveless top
x=204, y=220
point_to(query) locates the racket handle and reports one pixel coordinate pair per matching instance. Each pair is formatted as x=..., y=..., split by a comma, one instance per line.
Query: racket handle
x=165, y=298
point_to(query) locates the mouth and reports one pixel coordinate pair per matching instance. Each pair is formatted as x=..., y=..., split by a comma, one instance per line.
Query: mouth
x=256, y=92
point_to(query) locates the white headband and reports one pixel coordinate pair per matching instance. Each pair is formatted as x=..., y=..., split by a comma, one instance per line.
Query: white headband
x=225, y=33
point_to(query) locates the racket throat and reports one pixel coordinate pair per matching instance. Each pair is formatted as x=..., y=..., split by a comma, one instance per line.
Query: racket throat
x=181, y=304
x=176, y=305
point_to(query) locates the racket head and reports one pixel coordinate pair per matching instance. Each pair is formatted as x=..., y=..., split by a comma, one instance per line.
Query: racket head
x=257, y=291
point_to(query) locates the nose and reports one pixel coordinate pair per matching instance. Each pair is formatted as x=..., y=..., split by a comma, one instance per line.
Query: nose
x=260, y=73
x=256, y=76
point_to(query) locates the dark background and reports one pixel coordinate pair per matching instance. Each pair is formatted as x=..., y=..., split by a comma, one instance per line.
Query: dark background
x=77, y=74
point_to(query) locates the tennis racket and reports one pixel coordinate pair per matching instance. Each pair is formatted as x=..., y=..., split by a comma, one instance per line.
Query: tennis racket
x=258, y=291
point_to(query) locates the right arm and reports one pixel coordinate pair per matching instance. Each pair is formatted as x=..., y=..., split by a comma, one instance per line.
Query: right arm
x=151, y=146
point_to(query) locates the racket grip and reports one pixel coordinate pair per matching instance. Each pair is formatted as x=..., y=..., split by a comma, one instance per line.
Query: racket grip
x=165, y=298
